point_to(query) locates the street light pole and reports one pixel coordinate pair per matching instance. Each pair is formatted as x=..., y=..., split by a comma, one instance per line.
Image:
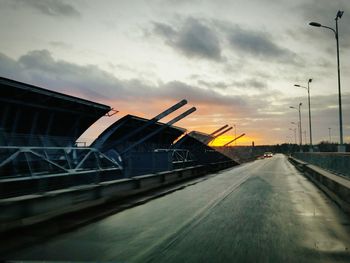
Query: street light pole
x=339, y=15
x=308, y=97
x=300, y=127
x=301, y=137
x=295, y=134
x=296, y=124
x=329, y=133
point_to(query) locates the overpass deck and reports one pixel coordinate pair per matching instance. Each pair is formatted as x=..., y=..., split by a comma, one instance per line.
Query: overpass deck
x=264, y=211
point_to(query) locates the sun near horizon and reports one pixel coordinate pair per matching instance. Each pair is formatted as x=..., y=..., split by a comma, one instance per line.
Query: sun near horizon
x=223, y=139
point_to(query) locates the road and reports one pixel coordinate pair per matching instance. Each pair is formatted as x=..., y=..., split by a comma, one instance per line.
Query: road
x=264, y=211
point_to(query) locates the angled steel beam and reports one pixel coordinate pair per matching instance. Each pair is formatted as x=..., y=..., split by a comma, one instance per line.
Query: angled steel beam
x=223, y=132
x=234, y=139
x=43, y=158
x=168, y=124
x=10, y=158
x=219, y=134
x=83, y=160
x=218, y=130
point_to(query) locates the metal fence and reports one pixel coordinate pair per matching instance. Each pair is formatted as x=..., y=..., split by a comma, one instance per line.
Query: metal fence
x=179, y=156
x=30, y=170
x=16, y=161
x=338, y=163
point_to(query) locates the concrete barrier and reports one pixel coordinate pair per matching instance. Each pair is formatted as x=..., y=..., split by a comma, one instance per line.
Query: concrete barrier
x=335, y=186
x=30, y=209
x=17, y=186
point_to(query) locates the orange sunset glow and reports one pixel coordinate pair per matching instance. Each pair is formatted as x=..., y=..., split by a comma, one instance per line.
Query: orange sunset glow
x=223, y=139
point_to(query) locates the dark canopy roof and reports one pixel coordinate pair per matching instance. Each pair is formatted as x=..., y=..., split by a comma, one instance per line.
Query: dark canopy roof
x=32, y=112
x=116, y=133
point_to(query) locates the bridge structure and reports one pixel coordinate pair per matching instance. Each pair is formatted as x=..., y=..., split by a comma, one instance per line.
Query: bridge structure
x=149, y=191
x=39, y=146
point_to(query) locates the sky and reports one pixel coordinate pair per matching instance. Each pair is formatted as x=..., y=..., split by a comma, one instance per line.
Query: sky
x=236, y=61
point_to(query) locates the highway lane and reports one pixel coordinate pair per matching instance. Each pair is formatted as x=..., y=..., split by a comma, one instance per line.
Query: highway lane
x=264, y=211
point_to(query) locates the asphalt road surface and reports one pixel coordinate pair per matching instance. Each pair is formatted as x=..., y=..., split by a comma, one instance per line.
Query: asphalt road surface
x=264, y=211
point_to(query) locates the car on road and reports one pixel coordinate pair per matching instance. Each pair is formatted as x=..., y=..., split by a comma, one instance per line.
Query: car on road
x=268, y=154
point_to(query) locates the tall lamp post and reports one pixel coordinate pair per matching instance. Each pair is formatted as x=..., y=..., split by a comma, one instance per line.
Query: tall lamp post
x=296, y=124
x=300, y=129
x=308, y=97
x=339, y=15
x=295, y=134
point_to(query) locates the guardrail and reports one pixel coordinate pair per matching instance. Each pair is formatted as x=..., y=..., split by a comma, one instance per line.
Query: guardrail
x=338, y=163
x=37, y=161
x=27, y=210
x=30, y=169
x=178, y=155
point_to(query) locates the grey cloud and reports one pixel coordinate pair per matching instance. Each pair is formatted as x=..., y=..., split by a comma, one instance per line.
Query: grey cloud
x=51, y=7
x=324, y=109
x=60, y=44
x=40, y=68
x=178, y=89
x=250, y=83
x=215, y=85
x=193, y=39
x=319, y=104
x=258, y=44
x=90, y=82
x=198, y=39
x=204, y=38
x=247, y=84
x=165, y=31
x=324, y=12
x=9, y=67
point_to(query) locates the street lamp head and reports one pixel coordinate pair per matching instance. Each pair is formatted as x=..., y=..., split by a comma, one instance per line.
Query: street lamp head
x=315, y=24
x=296, y=85
x=300, y=104
x=310, y=80
x=340, y=14
x=291, y=107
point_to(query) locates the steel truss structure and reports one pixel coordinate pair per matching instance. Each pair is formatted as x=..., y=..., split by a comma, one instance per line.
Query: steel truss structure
x=29, y=161
x=179, y=155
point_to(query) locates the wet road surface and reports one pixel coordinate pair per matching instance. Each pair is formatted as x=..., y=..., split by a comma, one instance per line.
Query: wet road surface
x=264, y=211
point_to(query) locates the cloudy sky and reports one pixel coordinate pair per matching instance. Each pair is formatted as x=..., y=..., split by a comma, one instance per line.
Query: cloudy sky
x=235, y=60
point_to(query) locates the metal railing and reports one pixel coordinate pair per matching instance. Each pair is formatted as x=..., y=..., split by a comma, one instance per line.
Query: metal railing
x=178, y=155
x=338, y=163
x=19, y=161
